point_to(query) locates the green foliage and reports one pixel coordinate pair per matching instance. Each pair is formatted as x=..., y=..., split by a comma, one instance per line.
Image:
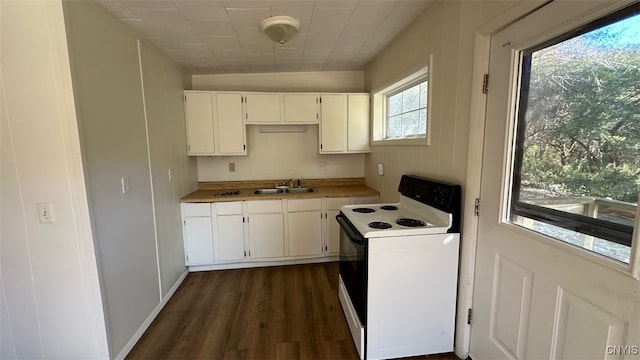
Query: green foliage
x=583, y=119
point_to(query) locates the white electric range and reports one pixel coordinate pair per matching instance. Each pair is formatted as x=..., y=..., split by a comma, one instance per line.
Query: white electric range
x=399, y=270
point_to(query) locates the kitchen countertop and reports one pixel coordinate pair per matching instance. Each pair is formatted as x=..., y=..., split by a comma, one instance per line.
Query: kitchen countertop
x=210, y=191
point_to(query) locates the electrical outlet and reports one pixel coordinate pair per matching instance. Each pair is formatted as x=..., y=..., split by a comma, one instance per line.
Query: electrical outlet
x=323, y=165
x=45, y=212
x=232, y=167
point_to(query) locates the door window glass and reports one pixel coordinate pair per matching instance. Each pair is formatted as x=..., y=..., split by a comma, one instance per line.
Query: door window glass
x=577, y=148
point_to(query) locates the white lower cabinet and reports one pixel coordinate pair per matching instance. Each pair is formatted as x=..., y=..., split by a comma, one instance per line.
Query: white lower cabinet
x=304, y=219
x=331, y=226
x=198, y=233
x=263, y=230
x=266, y=229
x=229, y=234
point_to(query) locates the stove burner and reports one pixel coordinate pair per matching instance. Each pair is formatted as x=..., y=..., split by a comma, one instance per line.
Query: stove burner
x=228, y=193
x=389, y=207
x=380, y=225
x=410, y=222
x=364, y=210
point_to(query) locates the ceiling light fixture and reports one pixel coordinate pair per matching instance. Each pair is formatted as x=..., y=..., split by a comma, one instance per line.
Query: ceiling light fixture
x=280, y=28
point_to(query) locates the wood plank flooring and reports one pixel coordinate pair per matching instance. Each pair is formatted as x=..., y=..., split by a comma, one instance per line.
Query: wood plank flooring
x=286, y=312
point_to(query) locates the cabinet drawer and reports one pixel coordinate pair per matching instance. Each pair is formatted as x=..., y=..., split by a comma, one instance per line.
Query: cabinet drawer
x=264, y=206
x=304, y=205
x=196, y=209
x=229, y=208
x=336, y=203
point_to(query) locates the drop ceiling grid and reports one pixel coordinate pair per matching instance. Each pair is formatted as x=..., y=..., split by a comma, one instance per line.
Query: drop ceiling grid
x=224, y=36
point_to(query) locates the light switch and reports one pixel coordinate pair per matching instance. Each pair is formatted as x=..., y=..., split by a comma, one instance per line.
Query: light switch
x=380, y=169
x=45, y=212
x=125, y=184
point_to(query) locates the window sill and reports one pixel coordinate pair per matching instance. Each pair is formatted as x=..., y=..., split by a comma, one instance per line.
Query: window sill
x=403, y=142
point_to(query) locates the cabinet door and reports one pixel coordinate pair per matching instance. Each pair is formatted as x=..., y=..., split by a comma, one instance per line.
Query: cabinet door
x=230, y=127
x=266, y=235
x=230, y=238
x=333, y=123
x=305, y=233
x=262, y=108
x=358, y=123
x=198, y=239
x=300, y=108
x=199, y=117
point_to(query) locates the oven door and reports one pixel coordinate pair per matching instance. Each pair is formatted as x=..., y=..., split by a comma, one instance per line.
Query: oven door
x=353, y=265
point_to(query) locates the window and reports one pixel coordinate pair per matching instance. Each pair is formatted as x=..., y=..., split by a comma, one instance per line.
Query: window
x=401, y=111
x=577, y=143
x=406, y=113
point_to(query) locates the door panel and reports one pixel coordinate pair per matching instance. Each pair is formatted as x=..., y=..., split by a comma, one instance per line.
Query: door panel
x=535, y=297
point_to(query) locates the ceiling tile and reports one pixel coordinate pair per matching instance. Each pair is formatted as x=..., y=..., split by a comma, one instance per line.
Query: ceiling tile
x=224, y=36
x=213, y=28
x=295, y=8
x=146, y=4
x=337, y=4
x=246, y=4
x=184, y=37
x=198, y=10
x=165, y=20
x=221, y=42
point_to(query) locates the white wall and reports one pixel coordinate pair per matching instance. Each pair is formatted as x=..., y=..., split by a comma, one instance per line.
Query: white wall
x=138, y=234
x=282, y=155
x=50, y=304
x=163, y=89
x=445, y=30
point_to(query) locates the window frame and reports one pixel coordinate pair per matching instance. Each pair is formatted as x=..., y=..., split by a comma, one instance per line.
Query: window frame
x=610, y=231
x=379, y=111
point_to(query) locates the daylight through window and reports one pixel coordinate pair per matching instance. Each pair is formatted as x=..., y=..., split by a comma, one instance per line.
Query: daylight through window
x=407, y=112
x=577, y=158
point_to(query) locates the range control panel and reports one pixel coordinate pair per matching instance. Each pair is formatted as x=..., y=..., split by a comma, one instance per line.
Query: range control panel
x=440, y=195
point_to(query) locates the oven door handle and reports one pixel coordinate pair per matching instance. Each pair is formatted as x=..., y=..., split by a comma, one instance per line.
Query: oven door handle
x=354, y=235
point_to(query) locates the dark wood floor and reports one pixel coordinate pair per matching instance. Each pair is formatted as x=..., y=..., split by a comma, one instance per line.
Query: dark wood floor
x=287, y=312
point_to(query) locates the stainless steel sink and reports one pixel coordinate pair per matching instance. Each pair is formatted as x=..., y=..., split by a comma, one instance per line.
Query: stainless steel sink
x=300, y=190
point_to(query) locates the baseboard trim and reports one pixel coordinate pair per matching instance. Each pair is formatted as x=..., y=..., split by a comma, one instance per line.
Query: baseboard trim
x=254, y=264
x=145, y=325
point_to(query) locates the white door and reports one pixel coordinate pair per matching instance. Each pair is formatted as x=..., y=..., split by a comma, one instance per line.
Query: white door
x=230, y=237
x=535, y=297
x=305, y=233
x=262, y=108
x=333, y=123
x=266, y=235
x=300, y=108
x=199, y=116
x=198, y=239
x=358, y=122
x=230, y=130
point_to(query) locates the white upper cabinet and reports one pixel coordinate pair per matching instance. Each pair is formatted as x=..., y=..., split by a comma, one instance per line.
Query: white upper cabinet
x=300, y=108
x=262, y=108
x=229, y=125
x=215, y=123
x=198, y=109
x=333, y=123
x=358, y=123
x=344, y=123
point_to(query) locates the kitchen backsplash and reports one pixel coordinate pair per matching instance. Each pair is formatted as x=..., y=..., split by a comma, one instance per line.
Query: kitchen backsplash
x=280, y=156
